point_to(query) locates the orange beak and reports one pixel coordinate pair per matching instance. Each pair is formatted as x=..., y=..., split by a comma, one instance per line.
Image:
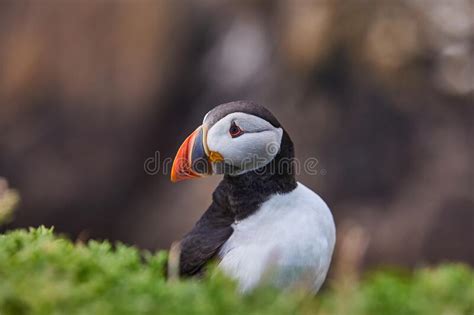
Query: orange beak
x=191, y=161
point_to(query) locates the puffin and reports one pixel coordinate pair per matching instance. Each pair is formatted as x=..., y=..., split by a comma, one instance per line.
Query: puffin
x=262, y=227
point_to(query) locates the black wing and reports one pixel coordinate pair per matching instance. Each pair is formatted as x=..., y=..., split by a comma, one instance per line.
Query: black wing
x=207, y=236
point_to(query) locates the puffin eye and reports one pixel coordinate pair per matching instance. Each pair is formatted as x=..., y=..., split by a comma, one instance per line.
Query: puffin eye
x=235, y=130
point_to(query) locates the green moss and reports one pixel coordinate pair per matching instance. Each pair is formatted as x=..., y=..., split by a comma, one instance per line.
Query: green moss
x=41, y=273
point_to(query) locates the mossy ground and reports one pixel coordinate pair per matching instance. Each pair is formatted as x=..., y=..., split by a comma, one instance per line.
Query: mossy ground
x=41, y=273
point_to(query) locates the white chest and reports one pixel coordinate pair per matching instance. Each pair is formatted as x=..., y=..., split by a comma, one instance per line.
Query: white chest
x=288, y=241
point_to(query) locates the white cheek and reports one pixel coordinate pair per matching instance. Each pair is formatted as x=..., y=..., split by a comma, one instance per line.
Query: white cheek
x=259, y=144
x=249, y=151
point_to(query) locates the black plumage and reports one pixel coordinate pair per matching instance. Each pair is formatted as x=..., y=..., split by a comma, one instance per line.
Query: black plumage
x=247, y=107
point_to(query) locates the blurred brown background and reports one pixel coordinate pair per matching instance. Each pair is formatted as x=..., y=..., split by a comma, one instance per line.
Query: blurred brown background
x=381, y=92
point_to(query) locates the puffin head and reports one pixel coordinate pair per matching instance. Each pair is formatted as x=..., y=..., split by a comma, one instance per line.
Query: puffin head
x=234, y=138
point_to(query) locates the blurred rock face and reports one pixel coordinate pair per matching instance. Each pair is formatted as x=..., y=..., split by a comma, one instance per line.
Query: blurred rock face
x=380, y=93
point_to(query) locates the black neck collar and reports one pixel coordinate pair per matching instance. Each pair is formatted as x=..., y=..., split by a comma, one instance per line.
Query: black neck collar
x=245, y=193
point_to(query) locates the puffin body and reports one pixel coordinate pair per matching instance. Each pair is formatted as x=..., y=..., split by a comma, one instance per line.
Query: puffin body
x=262, y=225
x=289, y=240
